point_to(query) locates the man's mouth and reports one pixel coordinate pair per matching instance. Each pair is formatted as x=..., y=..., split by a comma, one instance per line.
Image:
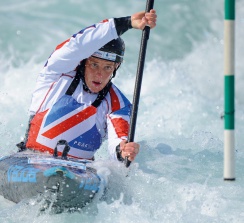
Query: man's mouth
x=97, y=83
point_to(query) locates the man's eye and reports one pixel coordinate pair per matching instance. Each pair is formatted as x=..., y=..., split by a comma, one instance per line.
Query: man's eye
x=94, y=65
x=108, y=68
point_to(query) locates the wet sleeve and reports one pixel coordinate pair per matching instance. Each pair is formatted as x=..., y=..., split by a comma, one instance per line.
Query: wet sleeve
x=122, y=24
x=81, y=45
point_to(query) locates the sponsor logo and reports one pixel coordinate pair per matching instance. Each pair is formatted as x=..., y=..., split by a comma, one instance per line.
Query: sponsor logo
x=81, y=144
x=22, y=174
x=105, y=55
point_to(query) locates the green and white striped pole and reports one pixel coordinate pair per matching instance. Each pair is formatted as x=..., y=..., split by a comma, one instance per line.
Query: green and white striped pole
x=229, y=90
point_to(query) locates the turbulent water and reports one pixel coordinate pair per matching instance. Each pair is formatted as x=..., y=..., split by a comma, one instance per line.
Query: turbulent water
x=178, y=175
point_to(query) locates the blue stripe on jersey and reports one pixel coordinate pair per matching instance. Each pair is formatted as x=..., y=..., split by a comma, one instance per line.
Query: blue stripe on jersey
x=82, y=31
x=89, y=141
x=123, y=111
x=63, y=106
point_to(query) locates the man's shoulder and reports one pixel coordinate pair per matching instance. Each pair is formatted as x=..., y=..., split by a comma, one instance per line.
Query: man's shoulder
x=115, y=92
x=117, y=99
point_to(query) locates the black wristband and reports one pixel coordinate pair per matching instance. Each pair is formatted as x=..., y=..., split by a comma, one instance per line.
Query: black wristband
x=122, y=24
x=118, y=153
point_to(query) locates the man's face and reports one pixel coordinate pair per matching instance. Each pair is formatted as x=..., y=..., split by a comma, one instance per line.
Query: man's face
x=98, y=72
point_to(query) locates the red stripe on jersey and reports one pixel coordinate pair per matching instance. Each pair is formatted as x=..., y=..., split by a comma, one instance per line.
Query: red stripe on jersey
x=70, y=122
x=114, y=100
x=103, y=21
x=33, y=133
x=121, y=127
x=66, y=75
x=61, y=44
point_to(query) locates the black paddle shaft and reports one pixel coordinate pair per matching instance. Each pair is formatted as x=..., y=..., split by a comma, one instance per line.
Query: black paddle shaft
x=139, y=75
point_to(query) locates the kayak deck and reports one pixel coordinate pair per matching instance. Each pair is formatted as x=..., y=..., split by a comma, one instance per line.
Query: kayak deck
x=71, y=182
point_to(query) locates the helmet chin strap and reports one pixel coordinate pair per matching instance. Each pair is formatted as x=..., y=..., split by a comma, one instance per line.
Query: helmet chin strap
x=81, y=71
x=114, y=73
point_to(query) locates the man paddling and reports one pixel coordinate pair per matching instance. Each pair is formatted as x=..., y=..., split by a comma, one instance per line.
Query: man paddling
x=75, y=102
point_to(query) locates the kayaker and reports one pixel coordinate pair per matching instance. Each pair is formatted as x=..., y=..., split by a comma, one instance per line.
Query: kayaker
x=75, y=102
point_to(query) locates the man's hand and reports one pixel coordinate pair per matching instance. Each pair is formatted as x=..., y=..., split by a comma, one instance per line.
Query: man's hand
x=130, y=149
x=141, y=19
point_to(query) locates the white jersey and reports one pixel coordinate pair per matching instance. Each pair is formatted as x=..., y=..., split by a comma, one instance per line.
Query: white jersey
x=73, y=118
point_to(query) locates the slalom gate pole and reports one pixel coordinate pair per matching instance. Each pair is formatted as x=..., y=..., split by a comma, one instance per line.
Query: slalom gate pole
x=229, y=90
x=139, y=75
